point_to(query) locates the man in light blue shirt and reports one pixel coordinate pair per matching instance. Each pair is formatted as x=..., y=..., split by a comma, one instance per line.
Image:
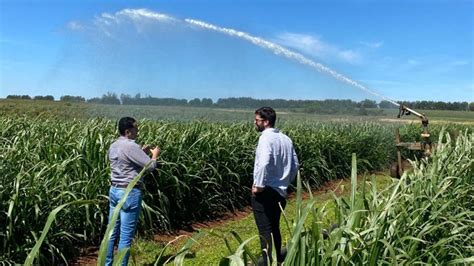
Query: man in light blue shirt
x=276, y=165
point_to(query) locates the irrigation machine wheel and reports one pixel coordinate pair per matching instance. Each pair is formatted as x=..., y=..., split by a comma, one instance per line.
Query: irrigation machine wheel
x=395, y=170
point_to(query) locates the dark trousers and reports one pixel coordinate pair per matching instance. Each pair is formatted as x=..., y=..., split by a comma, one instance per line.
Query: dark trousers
x=267, y=212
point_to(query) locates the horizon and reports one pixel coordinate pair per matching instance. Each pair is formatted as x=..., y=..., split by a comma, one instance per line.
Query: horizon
x=409, y=50
x=86, y=99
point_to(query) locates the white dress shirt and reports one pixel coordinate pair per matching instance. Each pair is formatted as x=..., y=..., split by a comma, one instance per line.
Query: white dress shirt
x=276, y=163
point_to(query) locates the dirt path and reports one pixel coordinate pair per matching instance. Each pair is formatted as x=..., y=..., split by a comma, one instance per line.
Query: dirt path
x=89, y=255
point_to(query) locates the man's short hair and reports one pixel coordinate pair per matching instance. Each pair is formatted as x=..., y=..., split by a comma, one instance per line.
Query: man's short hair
x=126, y=123
x=268, y=114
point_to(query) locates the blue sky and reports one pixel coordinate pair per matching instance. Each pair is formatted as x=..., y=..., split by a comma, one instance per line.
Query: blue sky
x=400, y=50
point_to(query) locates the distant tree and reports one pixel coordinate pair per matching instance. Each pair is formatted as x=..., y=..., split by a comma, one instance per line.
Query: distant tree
x=386, y=105
x=110, y=98
x=44, y=98
x=206, y=102
x=464, y=106
x=440, y=105
x=195, y=102
x=329, y=106
x=368, y=104
x=70, y=98
x=94, y=100
x=362, y=111
x=471, y=106
x=242, y=102
x=126, y=99
x=21, y=97
x=49, y=98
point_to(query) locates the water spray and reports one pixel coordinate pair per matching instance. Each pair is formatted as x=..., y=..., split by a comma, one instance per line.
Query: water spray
x=397, y=168
x=281, y=51
x=138, y=15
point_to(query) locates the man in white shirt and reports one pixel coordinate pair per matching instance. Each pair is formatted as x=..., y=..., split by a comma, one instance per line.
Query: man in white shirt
x=276, y=165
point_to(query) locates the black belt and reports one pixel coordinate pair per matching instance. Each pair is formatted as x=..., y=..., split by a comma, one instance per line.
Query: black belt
x=118, y=185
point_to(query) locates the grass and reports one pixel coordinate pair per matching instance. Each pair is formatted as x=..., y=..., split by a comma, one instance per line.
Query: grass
x=211, y=248
x=185, y=113
x=425, y=217
x=68, y=163
x=436, y=116
x=205, y=170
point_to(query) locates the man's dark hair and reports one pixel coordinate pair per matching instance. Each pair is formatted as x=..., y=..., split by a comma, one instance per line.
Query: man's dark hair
x=126, y=123
x=268, y=114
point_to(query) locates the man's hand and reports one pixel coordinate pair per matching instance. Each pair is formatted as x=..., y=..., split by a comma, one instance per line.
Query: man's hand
x=256, y=190
x=155, y=152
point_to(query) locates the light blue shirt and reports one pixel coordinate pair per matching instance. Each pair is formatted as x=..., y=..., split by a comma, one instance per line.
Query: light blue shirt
x=276, y=163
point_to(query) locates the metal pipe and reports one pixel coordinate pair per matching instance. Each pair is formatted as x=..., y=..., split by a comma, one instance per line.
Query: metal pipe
x=414, y=112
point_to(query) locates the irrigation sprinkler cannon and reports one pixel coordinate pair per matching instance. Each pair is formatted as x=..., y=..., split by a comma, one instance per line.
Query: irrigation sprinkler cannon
x=425, y=146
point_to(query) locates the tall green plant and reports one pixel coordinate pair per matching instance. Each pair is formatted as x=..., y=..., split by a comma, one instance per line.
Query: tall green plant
x=426, y=217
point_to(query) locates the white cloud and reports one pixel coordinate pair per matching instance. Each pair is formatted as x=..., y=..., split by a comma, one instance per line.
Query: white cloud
x=75, y=26
x=136, y=15
x=107, y=22
x=282, y=51
x=349, y=55
x=139, y=14
x=314, y=46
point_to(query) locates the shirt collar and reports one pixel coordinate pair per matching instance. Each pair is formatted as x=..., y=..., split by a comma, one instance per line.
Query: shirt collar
x=125, y=138
x=271, y=129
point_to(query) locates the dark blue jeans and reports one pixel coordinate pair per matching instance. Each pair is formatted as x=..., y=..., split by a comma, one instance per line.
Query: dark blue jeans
x=126, y=223
x=267, y=212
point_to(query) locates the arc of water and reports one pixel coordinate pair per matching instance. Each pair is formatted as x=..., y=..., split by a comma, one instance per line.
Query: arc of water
x=138, y=14
x=279, y=50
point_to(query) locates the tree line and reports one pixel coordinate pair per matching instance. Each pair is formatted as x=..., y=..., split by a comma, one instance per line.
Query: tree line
x=310, y=106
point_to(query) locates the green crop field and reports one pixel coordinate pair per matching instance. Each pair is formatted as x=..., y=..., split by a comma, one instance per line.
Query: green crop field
x=53, y=157
x=171, y=113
